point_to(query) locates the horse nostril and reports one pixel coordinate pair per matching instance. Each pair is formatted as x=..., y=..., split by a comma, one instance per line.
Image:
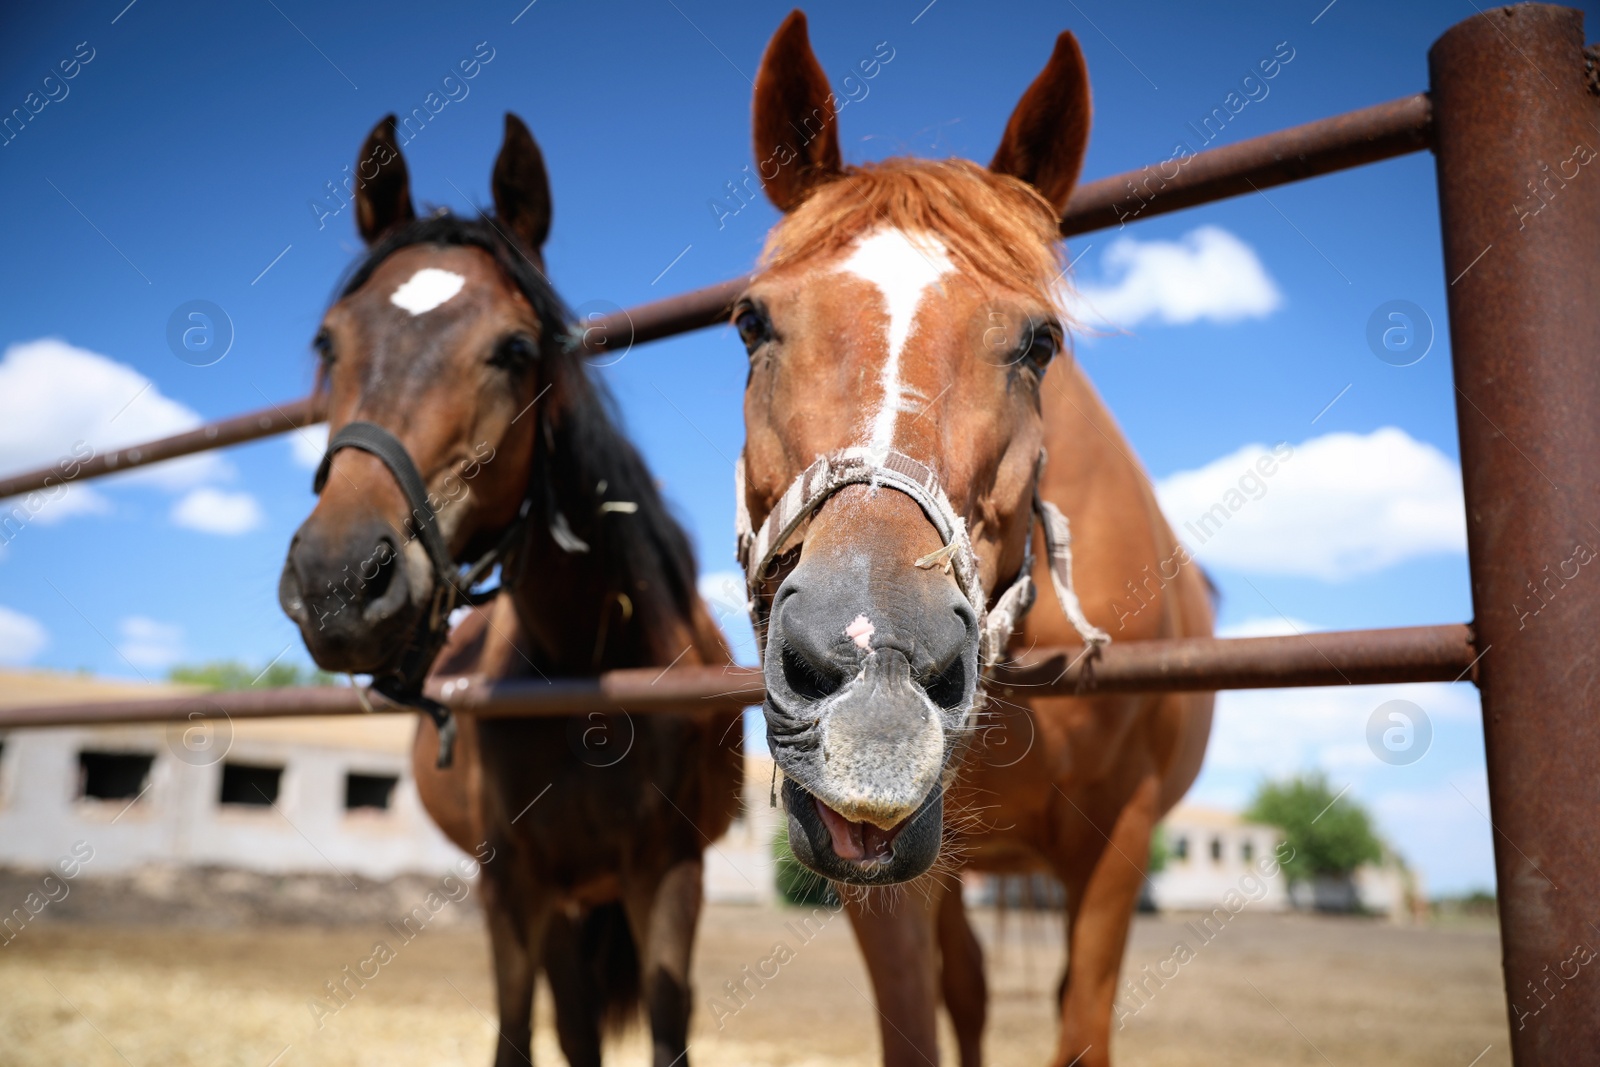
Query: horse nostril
x=385, y=556
x=384, y=592
x=948, y=688
x=804, y=678
x=290, y=594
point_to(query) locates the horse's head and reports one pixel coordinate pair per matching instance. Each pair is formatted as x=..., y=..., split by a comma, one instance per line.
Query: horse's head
x=438, y=342
x=902, y=325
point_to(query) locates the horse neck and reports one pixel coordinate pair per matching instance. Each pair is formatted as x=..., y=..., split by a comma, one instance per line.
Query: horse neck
x=583, y=612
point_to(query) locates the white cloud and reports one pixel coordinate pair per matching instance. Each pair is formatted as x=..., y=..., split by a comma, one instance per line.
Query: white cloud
x=1279, y=732
x=214, y=511
x=1333, y=507
x=307, y=446
x=148, y=643
x=1208, y=274
x=724, y=590
x=22, y=637
x=50, y=506
x=724, y=594
x=55, y=396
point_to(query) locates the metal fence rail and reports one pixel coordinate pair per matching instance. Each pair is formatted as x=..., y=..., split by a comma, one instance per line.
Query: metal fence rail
x=1353, y=657
x=1344, y=141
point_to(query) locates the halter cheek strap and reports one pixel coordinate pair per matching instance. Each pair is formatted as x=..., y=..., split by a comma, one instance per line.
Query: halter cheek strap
x=452, y=587
x=895, y=470
x=372, y=438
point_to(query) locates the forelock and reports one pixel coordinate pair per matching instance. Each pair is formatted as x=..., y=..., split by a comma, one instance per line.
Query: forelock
x=996, y=229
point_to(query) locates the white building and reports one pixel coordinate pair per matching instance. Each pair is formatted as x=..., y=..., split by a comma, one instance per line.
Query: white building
x=1211, y=851
x=278, y=796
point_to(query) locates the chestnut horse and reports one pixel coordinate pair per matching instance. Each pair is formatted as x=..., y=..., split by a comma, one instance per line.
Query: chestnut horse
x=449, y=366
x=896, y=512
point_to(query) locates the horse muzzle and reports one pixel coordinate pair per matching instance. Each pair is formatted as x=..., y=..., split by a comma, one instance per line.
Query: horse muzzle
x=869, y=686
x=351, y=596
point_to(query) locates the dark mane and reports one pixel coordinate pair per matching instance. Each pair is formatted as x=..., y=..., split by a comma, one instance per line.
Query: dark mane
x=580, y=447
x=588, y=461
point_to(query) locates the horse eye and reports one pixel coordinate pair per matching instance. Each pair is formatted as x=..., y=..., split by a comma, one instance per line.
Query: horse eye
x=754, y=329
x=513, y=353
x=1043, y=348
x=323, y=345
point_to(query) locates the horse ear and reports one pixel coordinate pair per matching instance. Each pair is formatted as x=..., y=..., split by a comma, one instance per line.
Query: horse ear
x=1047, y=136
x=521, y=186
x=795, y=133
x=384, y=199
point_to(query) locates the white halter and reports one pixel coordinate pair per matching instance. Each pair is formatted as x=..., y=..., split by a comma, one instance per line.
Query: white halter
x=895, y=470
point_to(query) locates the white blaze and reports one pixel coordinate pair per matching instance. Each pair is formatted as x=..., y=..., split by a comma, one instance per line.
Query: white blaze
x=902, y=268
x=427, y=289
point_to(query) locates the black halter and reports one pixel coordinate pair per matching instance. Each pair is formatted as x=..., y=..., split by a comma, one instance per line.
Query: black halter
x=452, y=587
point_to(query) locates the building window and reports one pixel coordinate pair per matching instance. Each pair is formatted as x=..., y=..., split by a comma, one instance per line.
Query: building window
x=1180, y=849
x=1247, y=851
x=250, y=784
x=369, y=791
x=1216, y=850
x=113, y=775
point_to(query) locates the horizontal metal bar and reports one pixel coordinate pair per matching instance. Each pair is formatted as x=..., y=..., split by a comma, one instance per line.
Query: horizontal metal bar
x=279, y=418
x=1348, y=140
x=1199, y=664
x=616, y=333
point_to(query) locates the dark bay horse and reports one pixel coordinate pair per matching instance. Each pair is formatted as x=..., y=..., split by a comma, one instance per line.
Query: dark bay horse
x=897, y=513
x=448, y=352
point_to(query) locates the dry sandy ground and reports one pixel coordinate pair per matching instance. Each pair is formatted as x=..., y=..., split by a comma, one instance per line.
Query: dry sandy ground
x=1268, y=990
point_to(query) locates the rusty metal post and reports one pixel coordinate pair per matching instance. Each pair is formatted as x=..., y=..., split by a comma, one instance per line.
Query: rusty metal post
x=1516, y=131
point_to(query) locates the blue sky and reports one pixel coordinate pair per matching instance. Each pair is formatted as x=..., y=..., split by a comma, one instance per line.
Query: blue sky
x=182, y=160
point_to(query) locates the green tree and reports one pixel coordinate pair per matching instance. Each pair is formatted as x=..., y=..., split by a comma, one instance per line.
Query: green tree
x=797, y=884
x=233, y=674
x=1330, y=834
x=1159, y=853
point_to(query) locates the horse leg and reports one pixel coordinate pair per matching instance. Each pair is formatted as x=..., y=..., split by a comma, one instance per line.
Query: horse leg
x=1101, y=898
x=895, y=930
x=664, y=914
x=966, y=993
x=579, y=1005
x=516, y=928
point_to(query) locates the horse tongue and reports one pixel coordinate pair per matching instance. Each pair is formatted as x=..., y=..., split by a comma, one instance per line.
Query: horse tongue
x=877, y=842
x=846, y=835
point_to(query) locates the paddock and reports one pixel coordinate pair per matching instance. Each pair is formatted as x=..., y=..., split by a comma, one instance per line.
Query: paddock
x=1358, y=990
x=1523, y=323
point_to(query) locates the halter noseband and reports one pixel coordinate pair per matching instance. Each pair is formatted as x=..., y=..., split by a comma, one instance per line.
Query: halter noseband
x=452, y=588
x=895, y=470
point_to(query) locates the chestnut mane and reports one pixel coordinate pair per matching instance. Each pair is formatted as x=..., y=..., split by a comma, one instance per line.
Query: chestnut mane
x=995, y=227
